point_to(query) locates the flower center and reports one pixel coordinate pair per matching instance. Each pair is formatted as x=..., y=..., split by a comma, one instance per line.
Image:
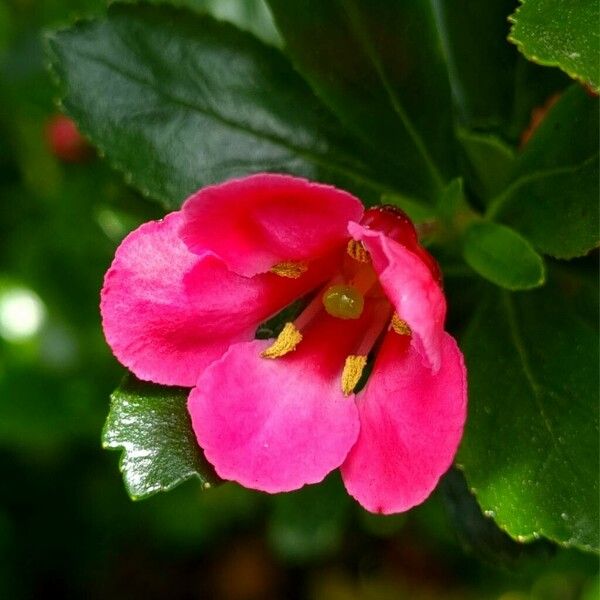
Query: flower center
x=353, y=295
x=343, y=302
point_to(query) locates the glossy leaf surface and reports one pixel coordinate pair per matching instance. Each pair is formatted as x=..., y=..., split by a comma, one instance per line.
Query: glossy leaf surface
x=480, y=62
x=530, y=450
x=150, y=424
x=178, y=101
x=380, y=66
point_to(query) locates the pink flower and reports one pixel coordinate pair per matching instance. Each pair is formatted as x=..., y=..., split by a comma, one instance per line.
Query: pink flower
x=184, y=296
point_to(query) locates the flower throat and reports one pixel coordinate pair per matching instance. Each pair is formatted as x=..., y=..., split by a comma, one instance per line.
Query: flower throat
x=355, y=296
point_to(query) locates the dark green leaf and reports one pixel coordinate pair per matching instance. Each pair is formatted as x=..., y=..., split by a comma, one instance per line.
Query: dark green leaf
x=481, y=61
x=557, y=211
x=566, y=137
x=560, y=34
x=530, y=450
x=150, y=424
x=479, y=533
x=501, y=255
x=178, y=101
x=249, y=15
x=452, y=204
x=380, y=66
x=553, y=199
x=489, y=162
x=534, y=86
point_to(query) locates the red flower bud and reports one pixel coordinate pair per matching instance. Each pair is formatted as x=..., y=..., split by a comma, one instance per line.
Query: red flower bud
x=396, y=225
x=65, y=141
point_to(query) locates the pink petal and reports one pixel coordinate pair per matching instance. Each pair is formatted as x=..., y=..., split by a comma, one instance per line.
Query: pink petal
x=258, y=221
x=412, y=289
x=168, y=313
x=411, y=423
x=277, y=424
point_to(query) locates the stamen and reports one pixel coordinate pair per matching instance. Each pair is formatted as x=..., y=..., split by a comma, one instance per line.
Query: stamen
x=290, y=335
x=400, y=326
x=289, y=269
x=286, y=342
x=357, y=251
x=355, y=363
x=353, y=369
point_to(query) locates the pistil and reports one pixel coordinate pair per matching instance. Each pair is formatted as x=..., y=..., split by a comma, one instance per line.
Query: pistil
x=343, y=301
x=291, y=335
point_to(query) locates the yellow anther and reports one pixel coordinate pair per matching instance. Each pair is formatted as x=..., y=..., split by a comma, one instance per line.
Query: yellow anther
x=353, y=370
x=289, y=269
x=343, y=302
x=286, y=342
x=399, y=326
x=357, y=251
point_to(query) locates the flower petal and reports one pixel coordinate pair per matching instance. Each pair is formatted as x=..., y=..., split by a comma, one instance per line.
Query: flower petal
x=411, y=423
x=411, y=287
x=259, y=221
x=168, y=313
x=275, y=425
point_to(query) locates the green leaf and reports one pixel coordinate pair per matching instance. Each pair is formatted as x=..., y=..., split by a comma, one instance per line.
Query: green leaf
x=489, y=162
x=178, y=101
x=560, y=34
x=480, y=61
x=478, y=533
x=558, y=212
x=452, y=204
x=249, y=15
x=150, y=424
x=534, y=86
x=380, y=66
x=553, y=199
x=502, y=256
x=566, y=137
x=530, y=449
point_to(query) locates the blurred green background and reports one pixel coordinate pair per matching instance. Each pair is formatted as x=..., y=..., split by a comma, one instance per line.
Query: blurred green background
x=67, y=527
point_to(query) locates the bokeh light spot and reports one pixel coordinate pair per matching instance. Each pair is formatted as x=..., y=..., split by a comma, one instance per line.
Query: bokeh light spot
x=22, y=314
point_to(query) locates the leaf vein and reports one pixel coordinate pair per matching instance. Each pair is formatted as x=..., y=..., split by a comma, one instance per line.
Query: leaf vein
x=497, y=204
x=176, y=100
x=355, y=23
x=536, y=388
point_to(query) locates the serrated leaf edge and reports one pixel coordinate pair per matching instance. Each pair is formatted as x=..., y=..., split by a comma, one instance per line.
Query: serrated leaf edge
x=57, y=76
x=116, y=446
x=520, y=44
x=490, y=511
